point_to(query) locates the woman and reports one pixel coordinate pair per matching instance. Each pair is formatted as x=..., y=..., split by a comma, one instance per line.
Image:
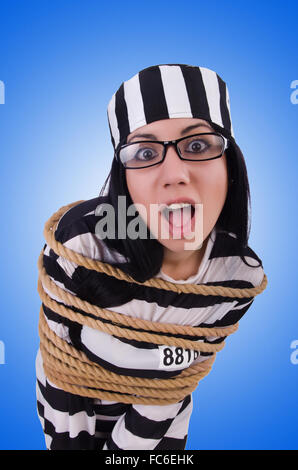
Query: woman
x=172, y=134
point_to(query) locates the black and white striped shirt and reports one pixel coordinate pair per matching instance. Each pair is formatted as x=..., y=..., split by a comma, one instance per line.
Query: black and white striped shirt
x=73, y=422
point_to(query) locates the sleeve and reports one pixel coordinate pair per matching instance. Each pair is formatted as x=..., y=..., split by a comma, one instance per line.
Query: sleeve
x=68, y=421
x=147, y=427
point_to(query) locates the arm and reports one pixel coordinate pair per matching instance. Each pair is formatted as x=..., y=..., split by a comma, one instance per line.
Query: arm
x=68, y=420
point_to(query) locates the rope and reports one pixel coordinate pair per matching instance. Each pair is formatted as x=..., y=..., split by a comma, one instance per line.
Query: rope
x=72, y=371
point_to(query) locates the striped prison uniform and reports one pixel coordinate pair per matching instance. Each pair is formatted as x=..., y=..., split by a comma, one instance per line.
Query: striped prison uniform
x=74, y=422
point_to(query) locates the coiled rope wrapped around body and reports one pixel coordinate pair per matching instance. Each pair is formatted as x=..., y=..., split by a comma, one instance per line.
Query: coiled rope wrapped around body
x=72, y=371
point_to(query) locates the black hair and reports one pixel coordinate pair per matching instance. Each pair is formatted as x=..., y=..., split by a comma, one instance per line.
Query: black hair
x=144, y=256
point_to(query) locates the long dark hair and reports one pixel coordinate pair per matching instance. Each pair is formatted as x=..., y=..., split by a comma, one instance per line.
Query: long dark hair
x=144, y=256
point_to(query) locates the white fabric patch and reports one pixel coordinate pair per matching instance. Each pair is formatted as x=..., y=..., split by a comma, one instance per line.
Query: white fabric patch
x=113, y=120
x=213, y=96
x=134, y=102
x=175, y=91
x=175, y=358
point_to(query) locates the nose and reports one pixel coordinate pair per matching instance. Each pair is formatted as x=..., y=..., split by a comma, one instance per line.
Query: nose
x=173, y=170
x=172, y=153
x=172, y=162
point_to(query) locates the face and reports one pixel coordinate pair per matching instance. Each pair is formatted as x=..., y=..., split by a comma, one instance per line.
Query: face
x=205, y=182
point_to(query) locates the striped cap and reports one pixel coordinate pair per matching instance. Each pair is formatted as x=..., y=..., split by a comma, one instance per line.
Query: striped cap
x=169, y=91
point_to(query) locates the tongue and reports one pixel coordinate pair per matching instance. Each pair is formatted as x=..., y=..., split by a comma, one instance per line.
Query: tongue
x=180, y=221
x=180, y=218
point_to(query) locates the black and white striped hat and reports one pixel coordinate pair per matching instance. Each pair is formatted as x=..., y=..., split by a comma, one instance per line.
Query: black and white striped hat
x=169, y=91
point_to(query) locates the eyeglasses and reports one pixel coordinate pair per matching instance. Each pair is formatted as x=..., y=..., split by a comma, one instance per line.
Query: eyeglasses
x=196, y=148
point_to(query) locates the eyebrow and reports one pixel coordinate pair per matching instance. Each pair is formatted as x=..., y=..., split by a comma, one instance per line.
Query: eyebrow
x=183, y=132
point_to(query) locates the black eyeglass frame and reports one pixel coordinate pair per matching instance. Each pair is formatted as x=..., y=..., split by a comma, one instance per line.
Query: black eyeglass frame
x=165, y=144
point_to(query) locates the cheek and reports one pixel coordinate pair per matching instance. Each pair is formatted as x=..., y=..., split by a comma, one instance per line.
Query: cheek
x=143, y=195
x=213, y=178
x=134, y=185
x=213, y=189
x=139, y=190
x=219, y=183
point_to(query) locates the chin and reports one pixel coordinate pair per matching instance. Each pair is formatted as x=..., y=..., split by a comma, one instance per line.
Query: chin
x=180, y=245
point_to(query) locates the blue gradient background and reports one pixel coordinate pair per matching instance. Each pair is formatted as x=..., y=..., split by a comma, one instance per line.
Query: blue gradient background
x=61, y=61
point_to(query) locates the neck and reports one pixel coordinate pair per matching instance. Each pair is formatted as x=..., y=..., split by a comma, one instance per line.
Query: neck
x=183, y=265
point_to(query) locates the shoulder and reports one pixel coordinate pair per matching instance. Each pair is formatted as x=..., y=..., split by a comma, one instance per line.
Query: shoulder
x=226, y=247
x=77, y=212
x=76, y=229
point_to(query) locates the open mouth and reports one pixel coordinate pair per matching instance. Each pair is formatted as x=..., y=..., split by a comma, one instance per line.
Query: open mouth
x=180, y=218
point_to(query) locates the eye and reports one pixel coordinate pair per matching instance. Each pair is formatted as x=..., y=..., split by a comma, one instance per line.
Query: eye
x=146, y=152
x=196, y=145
